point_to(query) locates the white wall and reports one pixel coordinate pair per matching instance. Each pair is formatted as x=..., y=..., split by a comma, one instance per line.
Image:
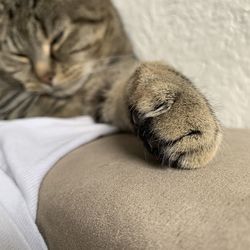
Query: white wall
x=208, y=40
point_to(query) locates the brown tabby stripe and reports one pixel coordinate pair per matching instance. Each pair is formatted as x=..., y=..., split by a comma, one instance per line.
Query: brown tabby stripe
x=18, y=100
x=27, y=106
x=41, y=25
x=8, y=98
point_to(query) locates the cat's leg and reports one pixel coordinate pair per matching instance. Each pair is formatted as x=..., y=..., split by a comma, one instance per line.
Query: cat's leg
x=172, y=118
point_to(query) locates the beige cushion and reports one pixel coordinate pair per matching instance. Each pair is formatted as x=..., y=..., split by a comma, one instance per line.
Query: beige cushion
x=106, y=195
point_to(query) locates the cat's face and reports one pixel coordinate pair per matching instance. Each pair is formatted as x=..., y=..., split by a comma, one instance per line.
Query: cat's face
x=51, y=46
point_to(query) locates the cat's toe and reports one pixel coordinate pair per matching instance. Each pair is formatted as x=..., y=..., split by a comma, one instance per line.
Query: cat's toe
x=175, y=146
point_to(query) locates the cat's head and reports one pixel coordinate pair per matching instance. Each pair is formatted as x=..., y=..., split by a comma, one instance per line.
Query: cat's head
x=51, y=46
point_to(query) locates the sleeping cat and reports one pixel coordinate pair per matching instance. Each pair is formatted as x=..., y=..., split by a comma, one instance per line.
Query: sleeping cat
x=65, y=58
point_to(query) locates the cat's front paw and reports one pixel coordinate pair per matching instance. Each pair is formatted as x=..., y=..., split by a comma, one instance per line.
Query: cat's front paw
x=172, y=118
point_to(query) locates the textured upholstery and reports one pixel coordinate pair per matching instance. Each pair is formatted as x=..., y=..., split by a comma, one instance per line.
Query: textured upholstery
x=105, y=195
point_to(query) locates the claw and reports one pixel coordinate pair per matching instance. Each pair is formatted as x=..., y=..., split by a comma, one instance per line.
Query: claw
x=160, y=109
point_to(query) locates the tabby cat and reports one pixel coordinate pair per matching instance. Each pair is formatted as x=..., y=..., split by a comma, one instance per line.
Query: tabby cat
x=65, y=58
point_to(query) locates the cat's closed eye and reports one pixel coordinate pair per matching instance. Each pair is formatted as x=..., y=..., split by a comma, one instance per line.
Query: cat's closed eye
x=58, y=38
x=82, y=49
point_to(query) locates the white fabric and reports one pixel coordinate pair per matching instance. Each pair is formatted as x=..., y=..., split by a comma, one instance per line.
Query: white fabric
x=28, y=149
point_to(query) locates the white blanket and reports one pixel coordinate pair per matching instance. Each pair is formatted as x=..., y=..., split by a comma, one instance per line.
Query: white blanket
x=28, y=149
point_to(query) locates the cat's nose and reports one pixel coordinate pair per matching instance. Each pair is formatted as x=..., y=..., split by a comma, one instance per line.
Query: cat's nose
x=47, y=77
x=44, y=73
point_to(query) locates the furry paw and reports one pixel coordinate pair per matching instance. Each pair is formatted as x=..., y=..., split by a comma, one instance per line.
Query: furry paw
x=173, y=119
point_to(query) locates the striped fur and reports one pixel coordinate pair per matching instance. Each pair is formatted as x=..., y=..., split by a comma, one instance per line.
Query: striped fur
x=65, y=58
